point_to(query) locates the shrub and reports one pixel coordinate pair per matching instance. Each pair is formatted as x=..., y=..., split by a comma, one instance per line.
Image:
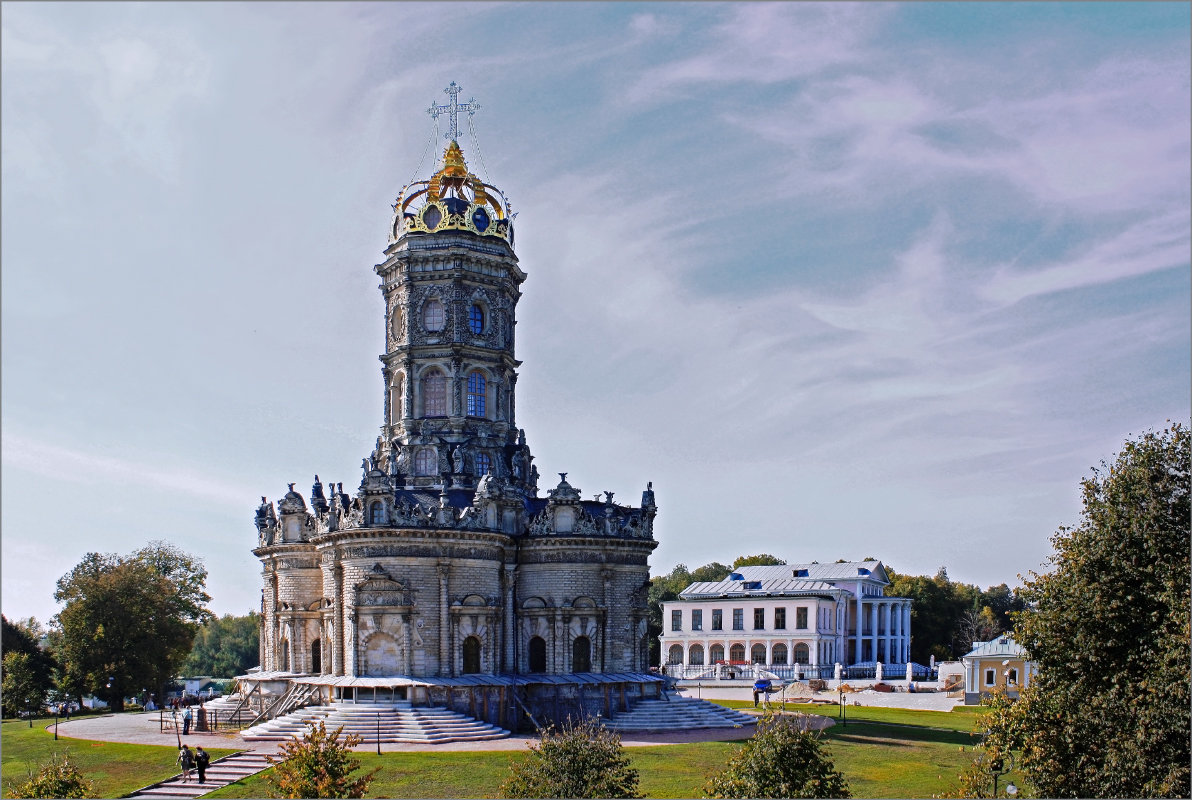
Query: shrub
x=320, y=765
x=779, y=760
x=59, y=778
x=583, y=759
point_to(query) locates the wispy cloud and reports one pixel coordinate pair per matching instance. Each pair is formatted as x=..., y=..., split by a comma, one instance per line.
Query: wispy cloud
x=74, y=465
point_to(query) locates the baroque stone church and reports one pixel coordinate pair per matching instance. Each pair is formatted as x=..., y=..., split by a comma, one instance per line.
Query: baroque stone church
x=449, y=566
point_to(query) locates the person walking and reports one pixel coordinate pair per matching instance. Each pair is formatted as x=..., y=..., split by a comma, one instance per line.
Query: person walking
x=201, y=762
x=186, y=761
x=187, y=716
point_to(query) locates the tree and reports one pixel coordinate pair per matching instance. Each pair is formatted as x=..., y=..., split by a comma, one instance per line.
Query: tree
x=760, y=560
x=22, y=691
x=320, y=765
x=36, y=672
x=1107, y=712
x=129, y=622
x=225, y=647
x=779, y=760
x=579, y=760
x=59, y=778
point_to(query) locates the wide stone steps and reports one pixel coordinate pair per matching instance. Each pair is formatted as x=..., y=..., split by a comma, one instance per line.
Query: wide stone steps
x=678, y=713
x=393, y=722
x=219, y=773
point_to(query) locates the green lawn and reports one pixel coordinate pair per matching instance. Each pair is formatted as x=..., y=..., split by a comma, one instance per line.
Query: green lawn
x=961, y=718
x=116, y=769
x=905, y=754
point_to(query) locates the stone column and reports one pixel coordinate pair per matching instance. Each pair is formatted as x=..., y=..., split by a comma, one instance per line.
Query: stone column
x=906, y=629
x=512, y=394
x=351, y=660
x=510, y=574
x=886, y=638
x=407, y=401
x=456, y=384
x=859, y=624
x=606, y=620
x=445, y=665
x=407, y=621
x=873, y=630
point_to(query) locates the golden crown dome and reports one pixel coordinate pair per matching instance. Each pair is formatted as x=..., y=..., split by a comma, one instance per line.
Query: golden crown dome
x=452, y=199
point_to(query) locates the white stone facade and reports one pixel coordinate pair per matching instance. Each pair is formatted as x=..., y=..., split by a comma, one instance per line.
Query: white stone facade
x=788, y=616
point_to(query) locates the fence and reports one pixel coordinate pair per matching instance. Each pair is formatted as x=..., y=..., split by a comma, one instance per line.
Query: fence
x=213, y=720
x=797, y=672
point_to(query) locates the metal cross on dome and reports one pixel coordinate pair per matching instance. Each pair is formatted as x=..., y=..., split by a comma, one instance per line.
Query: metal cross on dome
x=452, y=109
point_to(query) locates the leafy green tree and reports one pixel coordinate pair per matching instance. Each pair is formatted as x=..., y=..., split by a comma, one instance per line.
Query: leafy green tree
x=779, y=760
x=319, y=765
x=760, y=560
x=128, y=623
x=1108, y=712
x=22, y=691
x=225, y=647
x=59, y=778
x=36, y=673
x=579, y=760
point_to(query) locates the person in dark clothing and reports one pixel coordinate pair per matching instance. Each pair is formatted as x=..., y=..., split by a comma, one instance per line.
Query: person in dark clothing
x=201, y=762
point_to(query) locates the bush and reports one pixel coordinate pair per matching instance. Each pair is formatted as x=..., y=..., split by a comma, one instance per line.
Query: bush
x=779, y=760
x=59, y=778
x=318, y=766
x=580, y=760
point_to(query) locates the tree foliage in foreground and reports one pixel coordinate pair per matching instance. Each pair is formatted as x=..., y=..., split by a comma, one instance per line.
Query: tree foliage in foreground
x=33, y=675
x=225, y=647
x=579, y=760
x=779, y=760
x=59, y=778
x=128, y=622
x=1108, y=712
x=319, y=765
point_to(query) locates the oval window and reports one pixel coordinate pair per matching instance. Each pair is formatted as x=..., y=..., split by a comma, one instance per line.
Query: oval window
x=433, y=315
x=480, y=220
x=431, y=217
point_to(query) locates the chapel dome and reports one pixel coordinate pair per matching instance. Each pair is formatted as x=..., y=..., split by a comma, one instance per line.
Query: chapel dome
x=452, y=199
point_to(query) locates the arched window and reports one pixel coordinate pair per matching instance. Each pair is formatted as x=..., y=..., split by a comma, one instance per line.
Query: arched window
x=484, y=464
x=778, y=656
x=376, y=513
x=434, y=394
x=471, y=655
x=675, y=655
x=316, y=657
x=476, y=319
x=757, y=654
x=425, y=462
x=736, y=653
x=802, y=654
x=581, y=654
x=433, y=315
x=537, y=654
x=476, y=394
x=716, y=653
x=695, y=655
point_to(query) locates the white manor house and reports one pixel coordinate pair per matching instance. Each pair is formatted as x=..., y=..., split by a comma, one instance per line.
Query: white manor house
x=796, y=620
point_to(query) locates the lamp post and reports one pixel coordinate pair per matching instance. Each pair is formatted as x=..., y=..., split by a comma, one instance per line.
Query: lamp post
x=843, y=715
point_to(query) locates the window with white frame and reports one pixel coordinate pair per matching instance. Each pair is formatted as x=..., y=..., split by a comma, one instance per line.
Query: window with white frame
x=697, y=620
x=434, y=394
x=717, y=619
x=676, y=620
x=433, y=315
x=801, y=619
x=738, y=619
x=990, y=677
x=476, y=394
x=780, y=619
x=426, y=462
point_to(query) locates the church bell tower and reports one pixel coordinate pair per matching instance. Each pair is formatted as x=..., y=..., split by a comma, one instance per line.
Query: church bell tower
x=451, y=283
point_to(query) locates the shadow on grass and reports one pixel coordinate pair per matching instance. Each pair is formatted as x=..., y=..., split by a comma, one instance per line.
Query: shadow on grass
x=898, y=735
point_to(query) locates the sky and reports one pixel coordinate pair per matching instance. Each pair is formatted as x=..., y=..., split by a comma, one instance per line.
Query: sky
x=841, y=280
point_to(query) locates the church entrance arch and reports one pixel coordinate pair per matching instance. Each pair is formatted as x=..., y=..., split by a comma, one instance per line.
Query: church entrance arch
x=537, y=654
x=471, y=656
x=581, y=654
x=380, y=655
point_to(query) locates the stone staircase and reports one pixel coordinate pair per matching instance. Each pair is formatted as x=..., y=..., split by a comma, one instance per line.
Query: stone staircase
x=219, y=773
x=677, y=714
x=398, y=722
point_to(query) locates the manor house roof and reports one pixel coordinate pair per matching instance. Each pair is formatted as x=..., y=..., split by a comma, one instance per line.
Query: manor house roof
x=789, y=579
